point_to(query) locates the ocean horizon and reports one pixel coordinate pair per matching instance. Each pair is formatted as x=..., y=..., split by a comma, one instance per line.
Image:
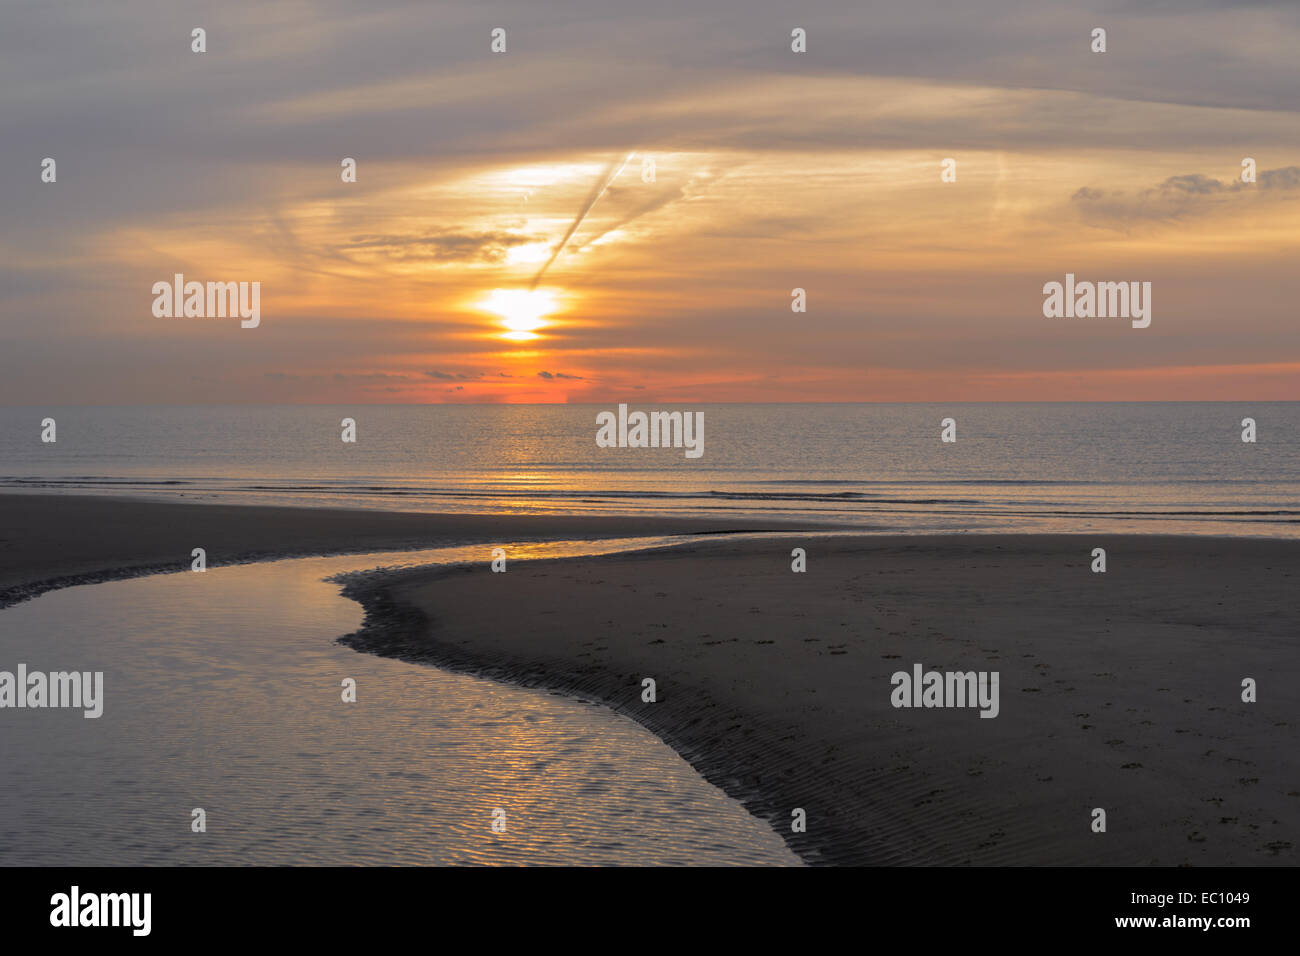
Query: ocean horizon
x=1141, y=467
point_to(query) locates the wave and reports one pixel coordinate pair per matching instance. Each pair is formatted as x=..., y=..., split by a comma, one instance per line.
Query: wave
x=814, y=501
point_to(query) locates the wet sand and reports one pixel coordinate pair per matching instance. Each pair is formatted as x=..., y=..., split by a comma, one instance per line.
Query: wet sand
x=1120, y=691
x=50, y=541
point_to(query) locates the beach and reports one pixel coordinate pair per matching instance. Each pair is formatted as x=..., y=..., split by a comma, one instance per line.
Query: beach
x=50, y=541
x=1119, y=691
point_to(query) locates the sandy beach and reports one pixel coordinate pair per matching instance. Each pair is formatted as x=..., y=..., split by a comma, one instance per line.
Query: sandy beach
x=1120, y=691
x=50, y=541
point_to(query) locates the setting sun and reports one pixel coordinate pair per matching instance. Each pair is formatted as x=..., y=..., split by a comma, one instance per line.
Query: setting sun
x=521, y=310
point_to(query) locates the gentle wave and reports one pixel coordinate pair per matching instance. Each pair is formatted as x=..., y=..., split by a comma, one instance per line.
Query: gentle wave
x=513, y=494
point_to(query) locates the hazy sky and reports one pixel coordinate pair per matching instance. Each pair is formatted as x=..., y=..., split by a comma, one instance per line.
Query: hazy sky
x=772, y=170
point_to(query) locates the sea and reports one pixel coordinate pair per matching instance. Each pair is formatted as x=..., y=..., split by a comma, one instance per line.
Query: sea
x=1179, y=468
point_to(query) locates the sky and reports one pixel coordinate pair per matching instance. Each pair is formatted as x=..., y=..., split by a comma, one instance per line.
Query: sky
x=772, y=170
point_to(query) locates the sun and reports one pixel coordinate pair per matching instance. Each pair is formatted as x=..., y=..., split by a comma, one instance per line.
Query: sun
x=521, y=310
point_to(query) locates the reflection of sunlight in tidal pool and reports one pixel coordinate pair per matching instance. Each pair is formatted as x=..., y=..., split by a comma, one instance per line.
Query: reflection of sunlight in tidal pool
x=222, y=691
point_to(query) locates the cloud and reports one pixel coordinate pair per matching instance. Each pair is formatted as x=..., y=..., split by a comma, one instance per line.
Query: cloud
x=1285, y=178
x=1192, y=185
x=774, y=170
x=370, y=377
x=1177, y=197
x=445, y=246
